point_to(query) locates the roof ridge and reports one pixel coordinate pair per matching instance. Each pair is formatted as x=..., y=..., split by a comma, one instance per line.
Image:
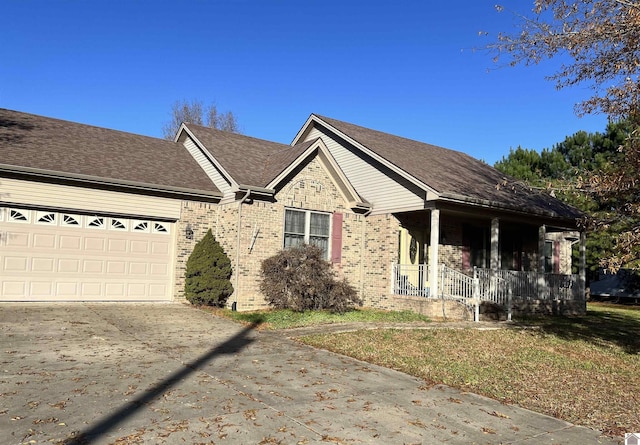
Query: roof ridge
x=82, y=124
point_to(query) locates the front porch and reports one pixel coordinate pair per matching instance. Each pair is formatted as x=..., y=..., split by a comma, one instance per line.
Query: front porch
x=507, y=290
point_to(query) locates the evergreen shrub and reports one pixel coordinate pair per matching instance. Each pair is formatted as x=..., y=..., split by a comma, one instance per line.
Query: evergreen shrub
x=208, y=273
x=301, y=279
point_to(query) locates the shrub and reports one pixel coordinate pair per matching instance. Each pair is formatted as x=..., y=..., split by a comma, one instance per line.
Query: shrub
x=301, y=279
x=208, y=272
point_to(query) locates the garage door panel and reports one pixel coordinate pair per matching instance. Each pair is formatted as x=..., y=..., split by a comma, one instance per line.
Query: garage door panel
x=160, y=248
x=68, y=265
x=157, y=290
x=44, y=241
x=159, y=269
x=115, y=290
x=136, y=268
x=92, y=266
x=17, y=239
x=91, y=290
x=93, y=244
x=15, y=264
x=67, y=288
x=139, y=247
x=137, y=290
x=117, y=245
x=43, y=264
x=116, y=267
x=70, y=242
x=75, y=257
x=13, y=288
x=41, y=289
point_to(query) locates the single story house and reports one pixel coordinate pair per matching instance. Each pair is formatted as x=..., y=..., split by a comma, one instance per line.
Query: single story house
x=92, y=214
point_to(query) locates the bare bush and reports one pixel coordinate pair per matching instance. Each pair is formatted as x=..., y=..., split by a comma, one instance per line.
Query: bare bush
x=301, y=279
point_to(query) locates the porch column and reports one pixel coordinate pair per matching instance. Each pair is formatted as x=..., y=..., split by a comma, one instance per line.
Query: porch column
x=495, y=243
x=583, y=266
x=542, y=282
x=433, y=253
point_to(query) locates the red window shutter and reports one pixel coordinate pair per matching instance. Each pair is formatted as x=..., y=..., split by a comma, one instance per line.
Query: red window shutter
x=336, y=238
x=466, y=258
x=466, y=253
x=556, y=257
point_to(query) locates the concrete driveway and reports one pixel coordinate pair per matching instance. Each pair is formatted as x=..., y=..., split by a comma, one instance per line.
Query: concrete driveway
x=169, y=373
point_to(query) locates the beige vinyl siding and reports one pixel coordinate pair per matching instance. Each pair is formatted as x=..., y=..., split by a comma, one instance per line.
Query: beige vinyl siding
x=386, y=190
x=31, y=193
x=210, y=169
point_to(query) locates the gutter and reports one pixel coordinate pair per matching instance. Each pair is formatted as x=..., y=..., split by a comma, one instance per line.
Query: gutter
x=250, y=189
x=457, y=199
x=96, y=180
x=363, y=207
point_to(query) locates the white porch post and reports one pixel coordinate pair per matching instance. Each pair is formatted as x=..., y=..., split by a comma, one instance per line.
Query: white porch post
x=495, y=239
x=583, y=266
x=542, y=282
x=433, y=253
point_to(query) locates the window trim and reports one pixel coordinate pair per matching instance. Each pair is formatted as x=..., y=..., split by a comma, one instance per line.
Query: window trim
x=307, y=228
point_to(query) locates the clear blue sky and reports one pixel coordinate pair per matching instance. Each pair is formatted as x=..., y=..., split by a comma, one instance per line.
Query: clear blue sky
x=405, y=67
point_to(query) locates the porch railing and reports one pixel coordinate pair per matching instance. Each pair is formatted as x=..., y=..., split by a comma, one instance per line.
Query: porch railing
x=410, y=279
x=496, y=286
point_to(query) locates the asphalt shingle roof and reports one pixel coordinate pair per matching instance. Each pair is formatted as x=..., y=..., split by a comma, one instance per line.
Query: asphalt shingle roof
x=249, y=161
x=454, y=174
x=74, y=149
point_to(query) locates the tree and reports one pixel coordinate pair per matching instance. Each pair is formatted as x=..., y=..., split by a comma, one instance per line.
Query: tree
x=195, y=113
x=598, y=42
x=561, y=169
x=208, y=273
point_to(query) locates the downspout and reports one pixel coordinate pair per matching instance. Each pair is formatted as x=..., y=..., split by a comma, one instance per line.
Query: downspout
x=362, y=249
x=237, y=287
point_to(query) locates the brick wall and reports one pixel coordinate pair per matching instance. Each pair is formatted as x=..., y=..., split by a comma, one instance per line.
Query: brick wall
x=262, y=230
x=381, y=250
x=201, y=217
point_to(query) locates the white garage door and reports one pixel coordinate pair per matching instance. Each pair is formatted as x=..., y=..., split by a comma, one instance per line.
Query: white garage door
x=47, y=256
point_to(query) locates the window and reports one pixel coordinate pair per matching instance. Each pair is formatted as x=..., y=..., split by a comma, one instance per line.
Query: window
x=70, y=220
x=477, y=244
x=117, y=224
x=140, y=226
x=46, y=218
x=18, y=215
x=551, y=256
x=306, y=227
x=95, y=222
x=160, y=228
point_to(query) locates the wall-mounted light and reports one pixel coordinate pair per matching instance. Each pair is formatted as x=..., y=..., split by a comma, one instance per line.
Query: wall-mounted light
x=188, y=232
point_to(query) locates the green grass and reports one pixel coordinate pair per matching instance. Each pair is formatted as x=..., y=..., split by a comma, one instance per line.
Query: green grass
x=585, y=370
x=284, y=318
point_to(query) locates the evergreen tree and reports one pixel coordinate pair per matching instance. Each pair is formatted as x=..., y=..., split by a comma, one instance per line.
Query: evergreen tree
x=564, y=171
x=208, y=273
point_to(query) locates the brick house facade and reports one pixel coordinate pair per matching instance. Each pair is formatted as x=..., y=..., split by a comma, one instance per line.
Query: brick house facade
x=387, y=203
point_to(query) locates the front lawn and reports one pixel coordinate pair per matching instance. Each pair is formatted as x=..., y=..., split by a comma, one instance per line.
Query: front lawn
x=585, y=370
x=285, y=318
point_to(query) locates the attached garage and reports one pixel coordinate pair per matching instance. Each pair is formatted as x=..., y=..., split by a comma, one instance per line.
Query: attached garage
x=90, y=214
x=61, y=256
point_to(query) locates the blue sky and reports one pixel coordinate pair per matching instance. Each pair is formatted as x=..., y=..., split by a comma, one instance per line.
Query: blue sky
x=407, y=68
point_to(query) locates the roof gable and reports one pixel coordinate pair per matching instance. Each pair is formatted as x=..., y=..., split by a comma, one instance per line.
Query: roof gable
x=249, y=162
x=32, y=144
x=452, y=175
x=304, y=152
x=244, y=160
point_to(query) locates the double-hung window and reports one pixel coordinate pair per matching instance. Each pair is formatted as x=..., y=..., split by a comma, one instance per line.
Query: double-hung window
x=307, y=227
